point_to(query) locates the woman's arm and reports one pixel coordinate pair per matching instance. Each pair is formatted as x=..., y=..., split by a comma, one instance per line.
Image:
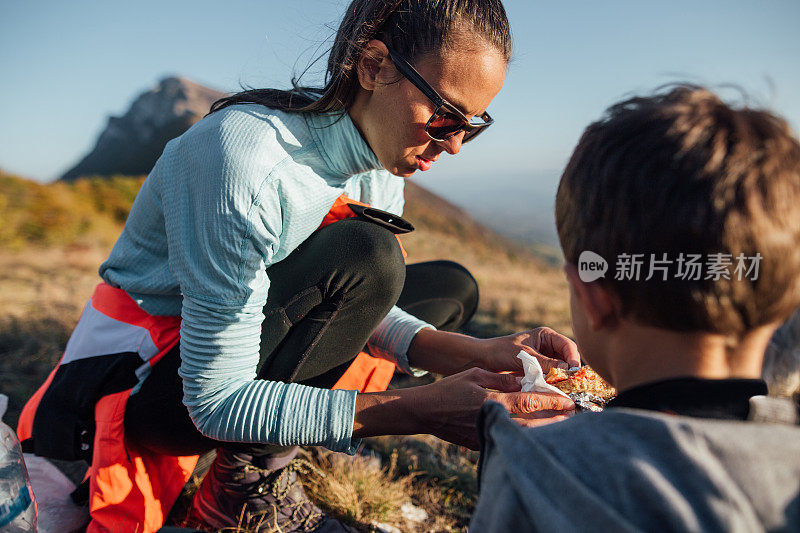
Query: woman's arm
x=448, y=353
x=444, y=352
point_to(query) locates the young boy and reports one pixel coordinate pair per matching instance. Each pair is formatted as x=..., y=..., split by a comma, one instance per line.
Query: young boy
x=693, y=208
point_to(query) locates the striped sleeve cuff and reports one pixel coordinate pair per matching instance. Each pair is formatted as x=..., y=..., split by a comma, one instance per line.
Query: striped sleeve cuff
x=393, y=336
x=318, y=417
x=343, y=412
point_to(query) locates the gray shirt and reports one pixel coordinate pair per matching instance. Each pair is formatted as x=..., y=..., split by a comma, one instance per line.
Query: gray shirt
x=636, y=470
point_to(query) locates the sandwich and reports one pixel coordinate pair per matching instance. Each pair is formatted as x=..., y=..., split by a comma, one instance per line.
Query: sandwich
x=586, y=388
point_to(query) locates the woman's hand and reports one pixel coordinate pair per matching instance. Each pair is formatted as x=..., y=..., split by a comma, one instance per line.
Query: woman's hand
x=552, y=349
x=449, y=407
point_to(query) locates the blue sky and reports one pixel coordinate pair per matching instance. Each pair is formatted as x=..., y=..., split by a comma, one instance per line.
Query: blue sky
x=66, y=66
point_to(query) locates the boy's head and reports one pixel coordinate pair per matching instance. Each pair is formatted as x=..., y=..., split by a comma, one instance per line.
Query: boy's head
x=695, y=195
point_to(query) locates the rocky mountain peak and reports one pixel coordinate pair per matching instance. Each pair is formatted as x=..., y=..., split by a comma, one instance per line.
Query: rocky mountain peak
x=132, y=143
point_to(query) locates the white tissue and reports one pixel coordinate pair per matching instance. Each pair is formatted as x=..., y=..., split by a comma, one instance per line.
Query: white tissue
x=534, y=376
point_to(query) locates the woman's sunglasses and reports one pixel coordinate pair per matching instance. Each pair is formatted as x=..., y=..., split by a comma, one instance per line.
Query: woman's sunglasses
x=446, y=120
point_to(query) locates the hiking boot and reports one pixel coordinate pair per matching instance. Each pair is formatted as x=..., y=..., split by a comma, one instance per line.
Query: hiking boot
x=254, y=493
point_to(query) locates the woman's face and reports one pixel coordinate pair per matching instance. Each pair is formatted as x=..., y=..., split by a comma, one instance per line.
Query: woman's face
x=391, y=114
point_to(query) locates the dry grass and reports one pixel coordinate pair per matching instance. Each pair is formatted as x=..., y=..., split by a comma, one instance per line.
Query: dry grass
x=359, y=489
x=431, y=474
x=446, y=484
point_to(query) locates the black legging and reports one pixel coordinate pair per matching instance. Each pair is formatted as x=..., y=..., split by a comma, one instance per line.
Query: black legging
x=325, y=299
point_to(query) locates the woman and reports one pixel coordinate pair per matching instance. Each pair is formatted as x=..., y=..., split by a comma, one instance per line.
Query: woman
x=232, y=232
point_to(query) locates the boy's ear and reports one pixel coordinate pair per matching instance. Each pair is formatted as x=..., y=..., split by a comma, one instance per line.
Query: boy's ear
x=374, y=57
x=599, y=302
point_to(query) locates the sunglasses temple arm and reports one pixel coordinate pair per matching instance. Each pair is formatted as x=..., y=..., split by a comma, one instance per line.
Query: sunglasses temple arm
x=415, y=78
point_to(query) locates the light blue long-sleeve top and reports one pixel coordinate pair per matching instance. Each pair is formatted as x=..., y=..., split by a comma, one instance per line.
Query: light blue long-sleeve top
x=239, y=191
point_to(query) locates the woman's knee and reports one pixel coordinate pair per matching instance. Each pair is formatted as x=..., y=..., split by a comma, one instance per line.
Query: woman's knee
x=371, y=253
x=351, y=259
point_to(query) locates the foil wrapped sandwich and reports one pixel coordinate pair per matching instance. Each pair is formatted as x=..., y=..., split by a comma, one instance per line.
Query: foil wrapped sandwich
x=583, y=385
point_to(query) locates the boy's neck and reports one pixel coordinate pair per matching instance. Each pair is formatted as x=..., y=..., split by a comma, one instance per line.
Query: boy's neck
x=641, y=354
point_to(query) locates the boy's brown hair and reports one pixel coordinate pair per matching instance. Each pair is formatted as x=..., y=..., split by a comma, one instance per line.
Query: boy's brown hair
x=682, y=172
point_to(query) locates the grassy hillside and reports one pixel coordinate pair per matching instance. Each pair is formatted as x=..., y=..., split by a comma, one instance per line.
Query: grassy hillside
x=53, y=238
x=86, y=212
x=519, y=289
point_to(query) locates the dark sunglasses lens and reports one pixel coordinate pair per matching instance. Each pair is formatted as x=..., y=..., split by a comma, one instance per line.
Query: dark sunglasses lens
x=443, y=125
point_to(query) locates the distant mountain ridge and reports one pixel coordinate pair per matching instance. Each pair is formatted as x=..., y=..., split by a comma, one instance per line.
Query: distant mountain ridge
x=132, y=143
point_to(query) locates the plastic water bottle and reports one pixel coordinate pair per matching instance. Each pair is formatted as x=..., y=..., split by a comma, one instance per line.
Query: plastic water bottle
x=17, y=504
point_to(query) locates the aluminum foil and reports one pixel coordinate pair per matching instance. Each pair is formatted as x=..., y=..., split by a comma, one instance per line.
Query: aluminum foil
x=586, y=401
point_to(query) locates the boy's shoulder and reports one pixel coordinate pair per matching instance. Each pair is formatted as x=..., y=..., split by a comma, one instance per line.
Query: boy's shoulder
x=631, y=467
